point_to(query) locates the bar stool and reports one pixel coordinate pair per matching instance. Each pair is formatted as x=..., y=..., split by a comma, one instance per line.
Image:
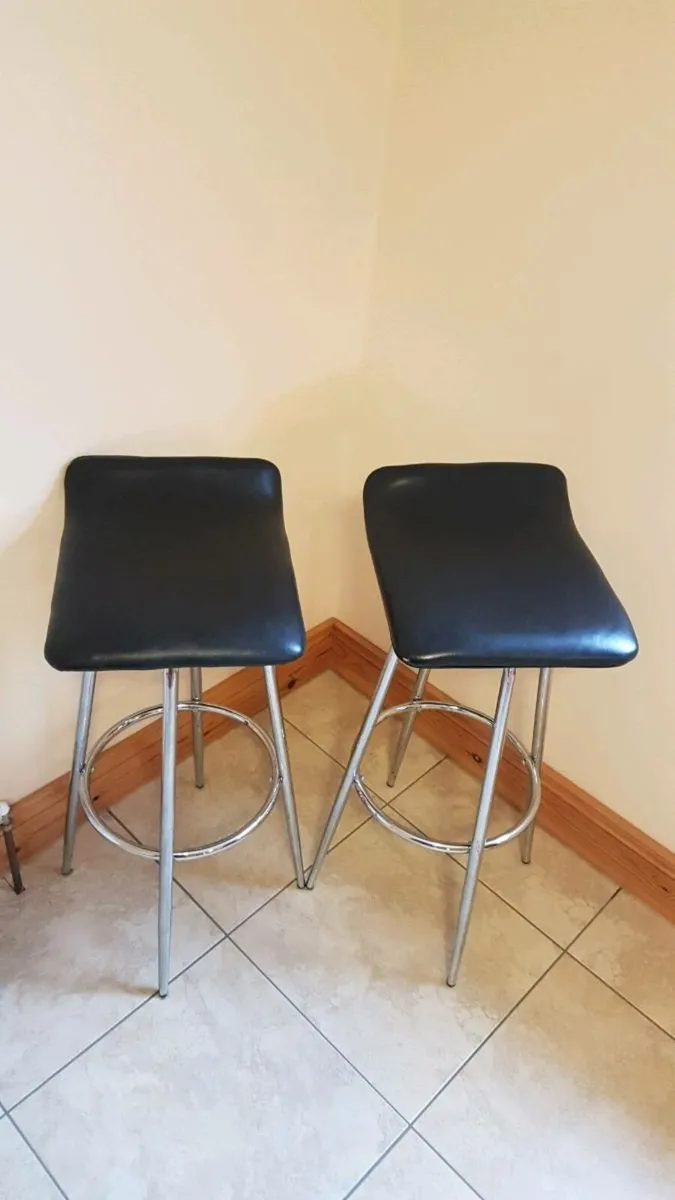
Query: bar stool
x=479, y=565
x=168, y=563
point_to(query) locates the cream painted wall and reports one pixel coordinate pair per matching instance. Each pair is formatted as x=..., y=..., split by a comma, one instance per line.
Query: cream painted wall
x=524, y=307
x=187, y=220
x=187, y=233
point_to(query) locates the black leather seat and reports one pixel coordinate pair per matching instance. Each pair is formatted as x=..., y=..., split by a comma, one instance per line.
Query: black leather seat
x=170, y=562
x=481, y=565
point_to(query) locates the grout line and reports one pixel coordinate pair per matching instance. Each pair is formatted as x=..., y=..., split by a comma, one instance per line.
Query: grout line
x=41, y=1161
x=482, y=882
x=593, y=918
x=337, y=842
x=119, y=821
x=408, y=1132
x=291, y=883
x=334, y=846
x=343, y=766
x=456, y=858
x=449, y=1164
x=486, y=1039
x=79, y=1054
x=621, y=996
x=284, y=887
x=221, y=942
x=413, y=783
x=181, y=887
x=90, y=1045
x=176, y=882
x=377, y=1162
x=316, y=1028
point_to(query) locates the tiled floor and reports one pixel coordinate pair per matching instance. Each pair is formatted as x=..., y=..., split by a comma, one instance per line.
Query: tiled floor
x=309, y=1047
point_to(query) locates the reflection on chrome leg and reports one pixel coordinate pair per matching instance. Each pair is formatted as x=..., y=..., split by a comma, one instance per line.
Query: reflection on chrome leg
x=170, y=702
x=279, y=735
x=197, y=728
x=407, y=727
x=79, y=757
x=358, y=750
x=538, y=735
x=482, y=818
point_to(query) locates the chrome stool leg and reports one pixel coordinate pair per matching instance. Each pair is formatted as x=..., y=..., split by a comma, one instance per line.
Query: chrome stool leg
x=197, y=726
x=407, y=727
x=358, y=750
x=79, y=757
x=538, y=735
x=10, y=846
x=169, y=716
x=482, y=818
x=279, y=735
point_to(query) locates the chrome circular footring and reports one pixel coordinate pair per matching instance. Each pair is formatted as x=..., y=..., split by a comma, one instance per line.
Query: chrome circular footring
x=146, y=714
x=419, y=839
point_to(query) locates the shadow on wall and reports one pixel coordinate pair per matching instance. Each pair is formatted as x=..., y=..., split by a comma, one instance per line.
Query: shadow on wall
x=296, y=431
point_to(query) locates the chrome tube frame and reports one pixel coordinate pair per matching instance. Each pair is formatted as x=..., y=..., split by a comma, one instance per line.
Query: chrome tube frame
x=138, y=848
x=166, y=826
x=85, y=706
x=10, y=846
x=279, y=734
x=197, y=728
x=482, y=817
x=407, y=726
x=358, y=750
x=479, y=841
x=538, y=736
x=418, y=839
x=165, y=854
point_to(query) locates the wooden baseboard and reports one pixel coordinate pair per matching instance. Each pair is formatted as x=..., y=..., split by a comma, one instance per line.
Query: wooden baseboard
x=635, y=861
x=39, y=817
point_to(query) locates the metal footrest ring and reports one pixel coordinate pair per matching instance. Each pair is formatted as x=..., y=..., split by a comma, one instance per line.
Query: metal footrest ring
x=419, y=839
x=144, y=714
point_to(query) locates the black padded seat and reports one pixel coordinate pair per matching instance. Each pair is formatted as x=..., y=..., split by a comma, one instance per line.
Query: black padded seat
x=171, y=562
x=481, y=565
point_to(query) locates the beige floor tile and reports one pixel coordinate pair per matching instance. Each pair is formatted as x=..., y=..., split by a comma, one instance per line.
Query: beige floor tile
x=633, y=949
x=222, y=1090
x=21, y=1176
x=364, y=954
x=411, y=1171
x=232, y=885
x=558, y=891
x=572, y=1098
x=330, y=712
x=77, y=954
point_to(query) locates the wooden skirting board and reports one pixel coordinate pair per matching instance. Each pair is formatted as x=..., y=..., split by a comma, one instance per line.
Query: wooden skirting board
x=635, y=861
